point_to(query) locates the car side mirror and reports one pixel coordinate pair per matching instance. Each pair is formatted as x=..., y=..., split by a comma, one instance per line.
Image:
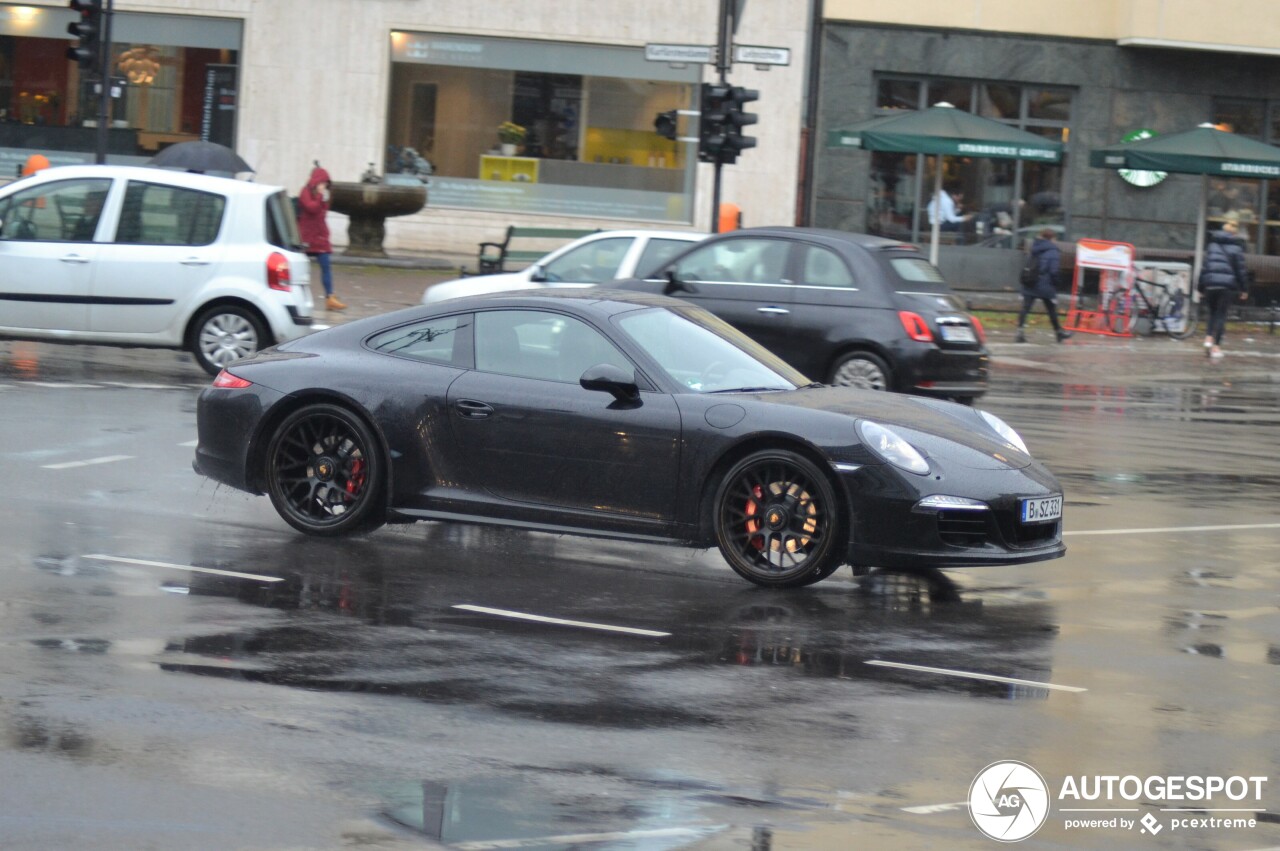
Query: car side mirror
x=619, y=382
x=675, y=285
x=537, y=274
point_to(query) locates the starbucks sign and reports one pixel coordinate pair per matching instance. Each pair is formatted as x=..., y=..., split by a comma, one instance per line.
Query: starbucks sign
x=1137, y=177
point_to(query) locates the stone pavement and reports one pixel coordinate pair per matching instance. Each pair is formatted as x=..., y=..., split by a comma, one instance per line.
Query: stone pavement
x=1252, y=351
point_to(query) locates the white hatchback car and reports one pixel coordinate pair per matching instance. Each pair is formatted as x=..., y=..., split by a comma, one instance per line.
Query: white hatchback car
x=593, y=259
x=142, y=256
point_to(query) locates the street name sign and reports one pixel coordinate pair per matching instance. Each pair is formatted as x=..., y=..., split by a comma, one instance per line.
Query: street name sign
x=704, y=54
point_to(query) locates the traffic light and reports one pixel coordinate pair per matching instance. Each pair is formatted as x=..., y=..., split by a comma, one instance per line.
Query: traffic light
x=735, y=120
x=711, y=123
x=665, y=124
x=89, y=30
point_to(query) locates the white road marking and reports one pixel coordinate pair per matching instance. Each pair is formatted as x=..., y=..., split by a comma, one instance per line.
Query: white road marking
x=63, y=385
x=1171, y=529
x=585, y=838
x=504, y=613
x=948, y=672
x=930, y=809
x=190, y=443
x=105, y=459
x=215, y=571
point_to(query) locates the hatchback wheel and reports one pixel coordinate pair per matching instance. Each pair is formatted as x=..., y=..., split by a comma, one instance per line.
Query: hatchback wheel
x=224, y=334
x=777, y=520
x=325, y=472
x=860, y=369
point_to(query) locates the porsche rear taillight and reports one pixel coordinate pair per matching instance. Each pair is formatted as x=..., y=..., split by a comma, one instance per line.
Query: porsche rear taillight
x=278, y=277
x=228, y=381
x=915, y=326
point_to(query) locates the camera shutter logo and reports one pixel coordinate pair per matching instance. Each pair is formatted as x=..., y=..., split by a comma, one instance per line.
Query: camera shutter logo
x=1008, y=801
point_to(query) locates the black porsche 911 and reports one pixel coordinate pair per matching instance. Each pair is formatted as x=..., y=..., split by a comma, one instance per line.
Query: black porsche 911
x=624, y=415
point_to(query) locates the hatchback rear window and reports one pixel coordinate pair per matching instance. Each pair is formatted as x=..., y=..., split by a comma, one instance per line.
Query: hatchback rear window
x=910, y=273
x=282, y=226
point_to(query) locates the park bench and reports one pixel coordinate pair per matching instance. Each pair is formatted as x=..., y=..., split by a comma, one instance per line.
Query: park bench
x=494, y=256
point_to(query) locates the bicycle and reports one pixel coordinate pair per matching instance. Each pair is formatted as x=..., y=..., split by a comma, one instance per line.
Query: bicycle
x=1132, y=311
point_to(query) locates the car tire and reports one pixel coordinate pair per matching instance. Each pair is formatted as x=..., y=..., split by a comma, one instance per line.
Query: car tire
x=777, y=520
x=861, y=369
x=325, y=472
x=225, y=333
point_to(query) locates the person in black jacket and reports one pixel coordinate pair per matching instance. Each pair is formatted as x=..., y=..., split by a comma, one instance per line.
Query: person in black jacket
x=1222, y=277
x=1047, y=258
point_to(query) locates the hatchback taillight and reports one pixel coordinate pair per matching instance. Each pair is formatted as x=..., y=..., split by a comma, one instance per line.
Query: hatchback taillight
x=278, y=277
x=231, y=382
x=915, y=326
x=978, y=329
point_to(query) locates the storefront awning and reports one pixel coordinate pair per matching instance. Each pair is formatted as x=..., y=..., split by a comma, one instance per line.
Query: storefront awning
x=1204, y=150
x=947, y=131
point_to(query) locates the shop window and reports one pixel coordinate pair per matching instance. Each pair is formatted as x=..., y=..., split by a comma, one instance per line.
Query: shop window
x=958, y=94
x=892, y=206
x=48, y=104
x=897, y=94
x=1241, y=116
x=999, y=101
x=1049, y=104
x=533, y=127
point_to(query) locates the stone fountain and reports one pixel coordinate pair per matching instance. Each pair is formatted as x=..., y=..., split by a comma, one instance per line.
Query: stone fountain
x=368, y=204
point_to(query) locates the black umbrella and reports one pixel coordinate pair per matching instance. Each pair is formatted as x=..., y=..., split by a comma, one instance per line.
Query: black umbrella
x=203, y=157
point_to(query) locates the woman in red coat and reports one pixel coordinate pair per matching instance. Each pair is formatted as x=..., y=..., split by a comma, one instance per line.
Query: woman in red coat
x=313, y=206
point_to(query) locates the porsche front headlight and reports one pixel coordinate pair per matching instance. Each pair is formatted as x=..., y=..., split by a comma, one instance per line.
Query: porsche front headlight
x=891, y=446
x=1005, y=431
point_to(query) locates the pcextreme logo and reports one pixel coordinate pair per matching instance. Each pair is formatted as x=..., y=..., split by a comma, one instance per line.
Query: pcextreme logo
x=1009, y=801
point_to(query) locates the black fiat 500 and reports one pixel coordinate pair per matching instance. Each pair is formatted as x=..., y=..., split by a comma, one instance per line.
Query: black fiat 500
x=848, y=309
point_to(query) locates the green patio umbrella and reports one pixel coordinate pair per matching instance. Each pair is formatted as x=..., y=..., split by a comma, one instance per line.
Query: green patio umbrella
x=944, y=130
x=1206, y=150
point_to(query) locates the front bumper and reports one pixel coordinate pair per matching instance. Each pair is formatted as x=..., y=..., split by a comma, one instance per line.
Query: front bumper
x=888, y=529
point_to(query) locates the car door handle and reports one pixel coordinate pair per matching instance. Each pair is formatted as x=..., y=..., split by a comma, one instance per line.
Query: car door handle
x=473, y=410
x=194, y=261
x=74, y=258
x=775, y=311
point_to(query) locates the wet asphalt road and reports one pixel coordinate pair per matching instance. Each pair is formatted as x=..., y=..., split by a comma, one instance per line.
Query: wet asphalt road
x=342, y=699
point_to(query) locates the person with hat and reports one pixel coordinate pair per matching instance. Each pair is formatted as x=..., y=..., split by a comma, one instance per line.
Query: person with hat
x=313, y=207
x=1222, y=277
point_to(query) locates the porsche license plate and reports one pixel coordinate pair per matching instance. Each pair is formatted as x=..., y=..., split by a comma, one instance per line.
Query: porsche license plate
x=1045, y=509
x=957, y=334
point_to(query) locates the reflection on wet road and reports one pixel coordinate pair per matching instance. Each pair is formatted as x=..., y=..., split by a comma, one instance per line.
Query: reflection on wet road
x=176, y=654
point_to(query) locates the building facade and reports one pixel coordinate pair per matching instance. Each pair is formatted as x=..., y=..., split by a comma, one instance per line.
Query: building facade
x=546, y=115
x=1108, y=71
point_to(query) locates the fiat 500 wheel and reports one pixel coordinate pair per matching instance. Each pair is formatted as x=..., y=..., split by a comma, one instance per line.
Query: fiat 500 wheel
x=325, y=472
x=861, y=369
x=777, y=520
x=224, y=334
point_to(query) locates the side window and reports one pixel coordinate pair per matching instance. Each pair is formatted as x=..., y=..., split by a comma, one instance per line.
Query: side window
x=153, y=214
x=748, y=261
x=592, y=263
x=538, y=344
x=65, y=211
x=824, y=268
x=656, y=254
x=441, y=341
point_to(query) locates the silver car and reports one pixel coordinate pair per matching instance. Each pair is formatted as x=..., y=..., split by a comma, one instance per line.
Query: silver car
x=141, y=256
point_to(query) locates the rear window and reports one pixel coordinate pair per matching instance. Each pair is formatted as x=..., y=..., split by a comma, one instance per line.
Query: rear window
x=282, y=226
x=916, y=274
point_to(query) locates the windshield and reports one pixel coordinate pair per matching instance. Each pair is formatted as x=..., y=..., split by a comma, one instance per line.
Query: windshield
x=705, y=354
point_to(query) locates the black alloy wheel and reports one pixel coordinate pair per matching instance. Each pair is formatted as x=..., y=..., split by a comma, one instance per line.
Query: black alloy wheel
x=777, y=520
x=325, y=472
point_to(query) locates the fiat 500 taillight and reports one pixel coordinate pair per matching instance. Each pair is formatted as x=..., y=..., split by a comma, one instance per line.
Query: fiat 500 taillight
x=278, y=277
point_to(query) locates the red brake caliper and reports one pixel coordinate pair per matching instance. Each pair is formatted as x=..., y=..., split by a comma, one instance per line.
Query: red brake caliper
x=753, y=526
x=355, y=481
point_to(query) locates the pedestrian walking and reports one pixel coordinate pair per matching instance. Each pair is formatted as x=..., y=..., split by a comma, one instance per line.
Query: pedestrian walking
x=1222, y=278
x=1045, y=259
x=313, y=206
